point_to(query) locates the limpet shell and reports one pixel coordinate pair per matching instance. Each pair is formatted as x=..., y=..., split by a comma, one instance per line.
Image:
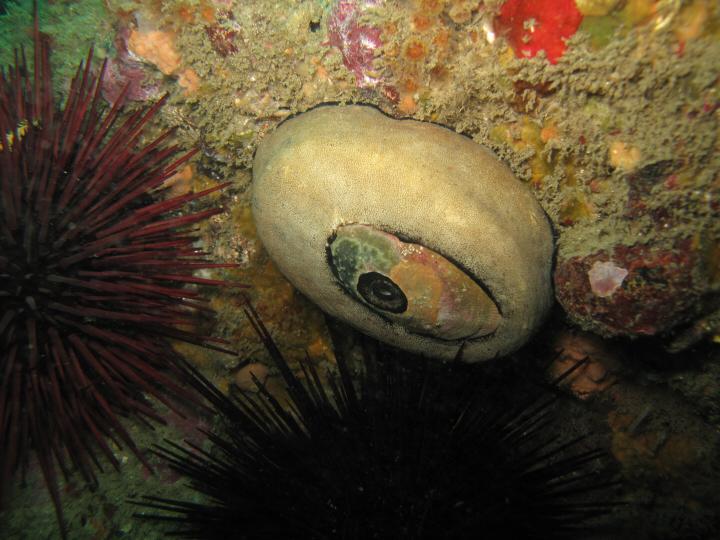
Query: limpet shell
x=410, y=285
x=457, y=251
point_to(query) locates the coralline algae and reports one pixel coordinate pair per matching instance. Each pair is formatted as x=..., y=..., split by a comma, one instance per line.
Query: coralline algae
x=391, y=225
x=357, y=42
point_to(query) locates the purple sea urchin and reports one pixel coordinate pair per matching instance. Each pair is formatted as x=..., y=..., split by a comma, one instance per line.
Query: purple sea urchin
x=93, y=272
x=406, y=449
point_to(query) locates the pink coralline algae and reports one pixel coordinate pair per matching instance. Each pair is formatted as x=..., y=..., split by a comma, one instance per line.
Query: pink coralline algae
x=124, y=70
x=357, y=42
x=531, y=26
x=644, y=290
x=605, y=278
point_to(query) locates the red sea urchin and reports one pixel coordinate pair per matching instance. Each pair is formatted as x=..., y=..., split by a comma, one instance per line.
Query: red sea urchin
x=93, y=272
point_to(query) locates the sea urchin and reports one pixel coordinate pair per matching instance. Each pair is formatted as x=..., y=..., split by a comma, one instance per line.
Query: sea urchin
x=399, y=451
x=94, y=269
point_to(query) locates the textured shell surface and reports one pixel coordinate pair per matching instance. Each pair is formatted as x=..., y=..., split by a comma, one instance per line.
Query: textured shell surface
x=412, y=233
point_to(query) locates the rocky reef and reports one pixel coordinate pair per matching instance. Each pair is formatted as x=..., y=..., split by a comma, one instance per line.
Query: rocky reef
x=608, y=113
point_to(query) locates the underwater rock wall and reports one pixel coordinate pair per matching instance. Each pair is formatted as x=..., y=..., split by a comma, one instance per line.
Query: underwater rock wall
x=610, y=118
x=609, y=111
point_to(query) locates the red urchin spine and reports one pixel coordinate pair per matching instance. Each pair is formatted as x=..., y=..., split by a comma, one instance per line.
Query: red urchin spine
x=94, y=271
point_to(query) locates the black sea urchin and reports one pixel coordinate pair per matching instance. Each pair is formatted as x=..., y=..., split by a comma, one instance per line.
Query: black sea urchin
x=395, y=452
x=93, y=272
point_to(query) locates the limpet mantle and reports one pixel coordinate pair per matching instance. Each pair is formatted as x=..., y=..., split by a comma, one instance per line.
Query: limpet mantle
x=334, y=167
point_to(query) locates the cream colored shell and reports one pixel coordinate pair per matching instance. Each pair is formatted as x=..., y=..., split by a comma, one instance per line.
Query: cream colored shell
x=338, y=165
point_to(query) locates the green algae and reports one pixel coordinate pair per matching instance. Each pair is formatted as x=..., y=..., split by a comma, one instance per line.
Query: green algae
x=74, y=26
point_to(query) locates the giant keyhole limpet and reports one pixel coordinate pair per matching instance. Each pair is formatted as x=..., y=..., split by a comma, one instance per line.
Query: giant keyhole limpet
x=408, y=231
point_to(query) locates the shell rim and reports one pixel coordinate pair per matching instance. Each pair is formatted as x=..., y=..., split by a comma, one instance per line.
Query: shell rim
x=410, y=239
